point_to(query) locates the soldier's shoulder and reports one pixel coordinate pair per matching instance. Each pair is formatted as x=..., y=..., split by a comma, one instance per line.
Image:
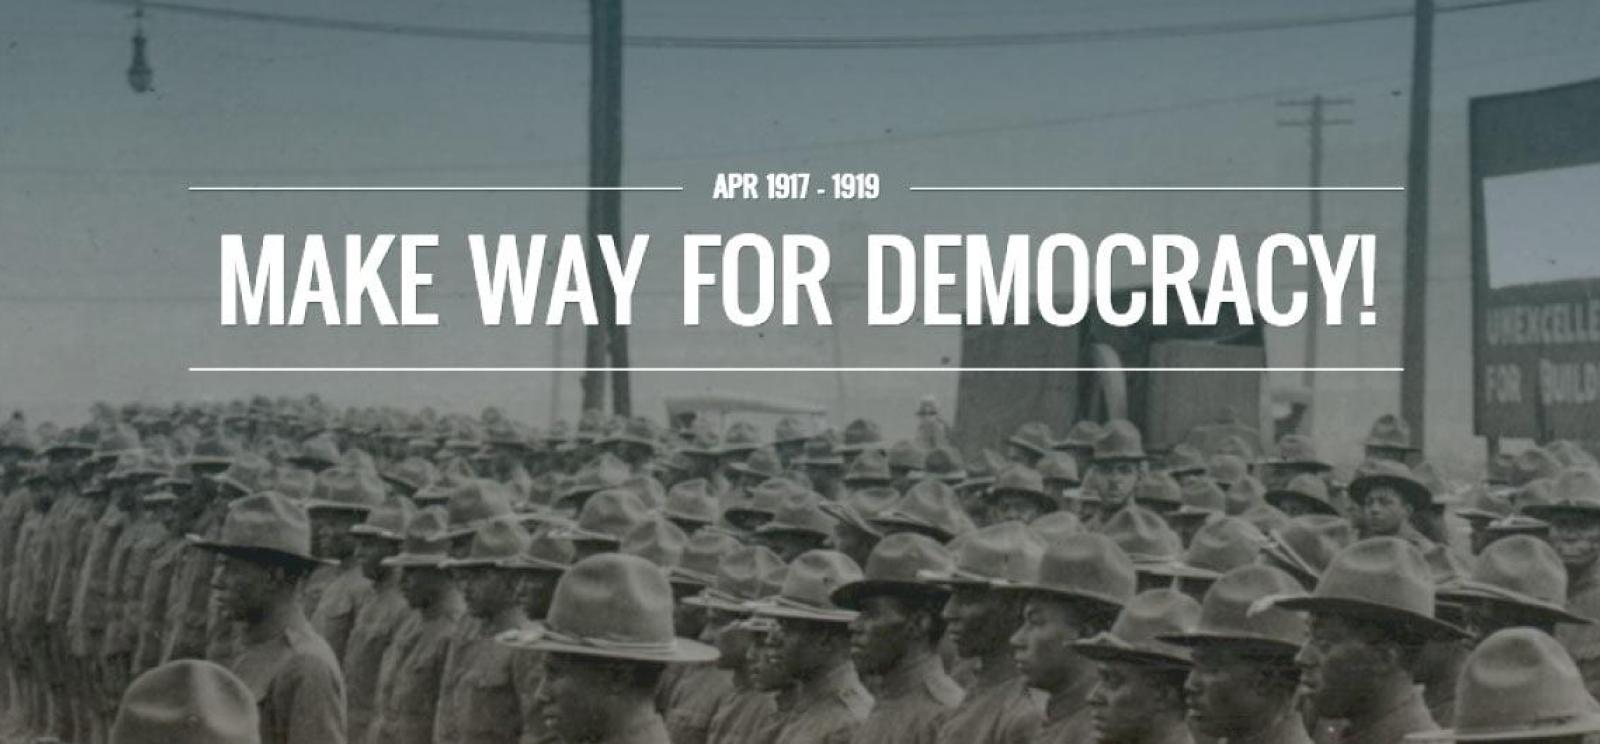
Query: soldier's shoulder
x=943, y=690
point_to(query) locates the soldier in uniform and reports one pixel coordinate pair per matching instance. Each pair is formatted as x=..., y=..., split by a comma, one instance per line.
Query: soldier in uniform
x=812, y=648
x=999, y=707
x=265, y=551
x=1139, y=698
x=895, y=639
x=343, y=497
x=187, y=702
x=690, y=694
x=188, y=606
x=1388, y=494
x=608, y=637
x=1242, y=687
x=131, y=568
x=408, y=685
x=491, y=700
x=1519, y=685
x=1573, y=512
x=1117, y=462
x=1074, y=593
x=379, y=618
x=1371, y=614
x=744, y=575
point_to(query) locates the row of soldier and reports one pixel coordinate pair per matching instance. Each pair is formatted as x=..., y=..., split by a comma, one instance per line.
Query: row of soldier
x=363, y=586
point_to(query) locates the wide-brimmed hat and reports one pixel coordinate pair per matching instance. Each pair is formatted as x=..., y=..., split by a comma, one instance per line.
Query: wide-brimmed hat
x=1159, y=493
x=702, y=556
x=1307, y=544
x=1485, y=503
x=388, y=521
x=799, y=512
x=1383, y=579
x=612, y=606
x=691, y=502
x=1237, y=610
x=892, y=568
x=1143, y=535
x=744, y=574
x=942, y=464
x=657, y=540
x=346, y=489
x=1033, y=436
x=1185, y=459
x=790, y=429
x=862, y=504
x=1001, y=553
x=740, y=438
x=1080, y=437
x=498, y=540
x=1519, y=684
x=1227, y=470
x=265, y=527
x=317, y=452
x=807, y=592
x=1216, y=548
x=1535, y=463
x=246, y=473
x=861, y=435
x=1390, y=474
x=1297, y=452
x=608, y=516
x=1390, y=432
x=1203, y=500
x=1136, y=635
x=474, y=503
x=1057, y=525
x=1520, y=572
x=1119, y=441
x=1059, y=468
x=602, y=473
x=212, y=455
x=638, y=430
x=187, y=702
x=906, y=456
x=819, y=450
x=546, y=553
x=426, y=544
x=1020, y=480
x=1517, y=524
x=1576, y=491
x=870, y=468
x=1307, y=489
x=1571, y=454
x=1086, y=567
x=761, y=463
x=929, y=507
x=759, y=503
x=410, y=475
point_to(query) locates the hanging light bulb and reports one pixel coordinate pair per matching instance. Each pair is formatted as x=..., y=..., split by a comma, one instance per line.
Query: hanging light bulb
x=139, y=73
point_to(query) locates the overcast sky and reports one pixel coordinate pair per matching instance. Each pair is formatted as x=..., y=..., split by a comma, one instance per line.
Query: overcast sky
x=108, y=272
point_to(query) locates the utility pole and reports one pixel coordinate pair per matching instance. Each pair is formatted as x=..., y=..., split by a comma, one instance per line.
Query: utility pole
x=607, y=339
x=1414, y=339
x=1316, y=109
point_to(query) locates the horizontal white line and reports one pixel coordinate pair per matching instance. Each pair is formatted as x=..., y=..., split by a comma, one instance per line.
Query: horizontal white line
x=429, y=188
x=794, y=369
x=1156, y=188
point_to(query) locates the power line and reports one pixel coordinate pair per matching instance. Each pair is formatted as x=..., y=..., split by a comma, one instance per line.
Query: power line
x=807, y=42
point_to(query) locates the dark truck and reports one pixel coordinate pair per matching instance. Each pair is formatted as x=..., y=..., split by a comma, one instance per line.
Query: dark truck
x=1169, y=407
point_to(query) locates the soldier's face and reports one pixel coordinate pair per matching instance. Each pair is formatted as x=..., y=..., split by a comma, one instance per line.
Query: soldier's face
x=881, y=634
x=535, y=589
x=795, y=647
x=1013, y=508
x=1129, y=700
x=1385, y=511
x=980, y=622
x=766, y=670
x=423, y=586
x=331, y=533
x=244, y=589
x=1120, y=478
x=1576, y=539
x=1042, y=646
x=488, y=590
x=1222, y=693
x=572, y=697
x=370, y=552
x=1338, y=668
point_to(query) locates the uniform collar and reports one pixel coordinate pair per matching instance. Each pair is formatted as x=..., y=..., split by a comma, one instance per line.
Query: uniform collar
x=841, y=676
x=904, y=678
x=1067, y=702
x=1287, y=729
x=1405, y=716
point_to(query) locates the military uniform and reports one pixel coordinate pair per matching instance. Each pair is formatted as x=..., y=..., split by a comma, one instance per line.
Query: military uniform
x=340, y=600
x=91, y=601
x=826, y=709
x=299, y=689
x=373, y=632
x=741, y=717
x=910, y=702
x=188, y=609
x=155, y=598
x=1407, y=716
x=698, y=690
x=131, y=569
x=409, y=686
x=1583, y=641
x=1066, y=715
x=492, y=700
x=999, y=709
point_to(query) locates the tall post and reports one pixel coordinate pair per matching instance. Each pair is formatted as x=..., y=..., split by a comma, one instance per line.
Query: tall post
x=1314, y=122
x=1414, y=339
x=605, y=340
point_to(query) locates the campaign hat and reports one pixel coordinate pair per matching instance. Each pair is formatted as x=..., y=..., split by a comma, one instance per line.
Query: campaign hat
x=1080, y=437
x=1306, y=488
x=1307, y=544
x=691, y=502
x=425, y=544
x=1020, y=480
x=1143, y=535
x=1119, y=441
x=1059, y=467
x=892, y=568
x=1390, y=432
x=1203, y=500
x=1390, y=474
x=346, y=489
x=999, y=554
x=608, y=516
x=1519, y=684
x=1384, y=579
x=1237, y=610
x=1297, y=452
x=799, y=512
x=1575, y=491
x=473, y=503
x=871, y=467
x=762, y=462
x=1033, y=436
x=1521, y=572
x=494, y=542
x=930, y=507
x=1184, y=459
x=388, y=520
x=861, y=435
x=906, y=455
x=744, y=574
x=187, y=701
x=546, y=552
x=808, y=587
x=1086, y=567
x=657, y=540
x=265, y=527
x=1136, y=636
x=1216, y=548
x=702, y=556
x=612, y=606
